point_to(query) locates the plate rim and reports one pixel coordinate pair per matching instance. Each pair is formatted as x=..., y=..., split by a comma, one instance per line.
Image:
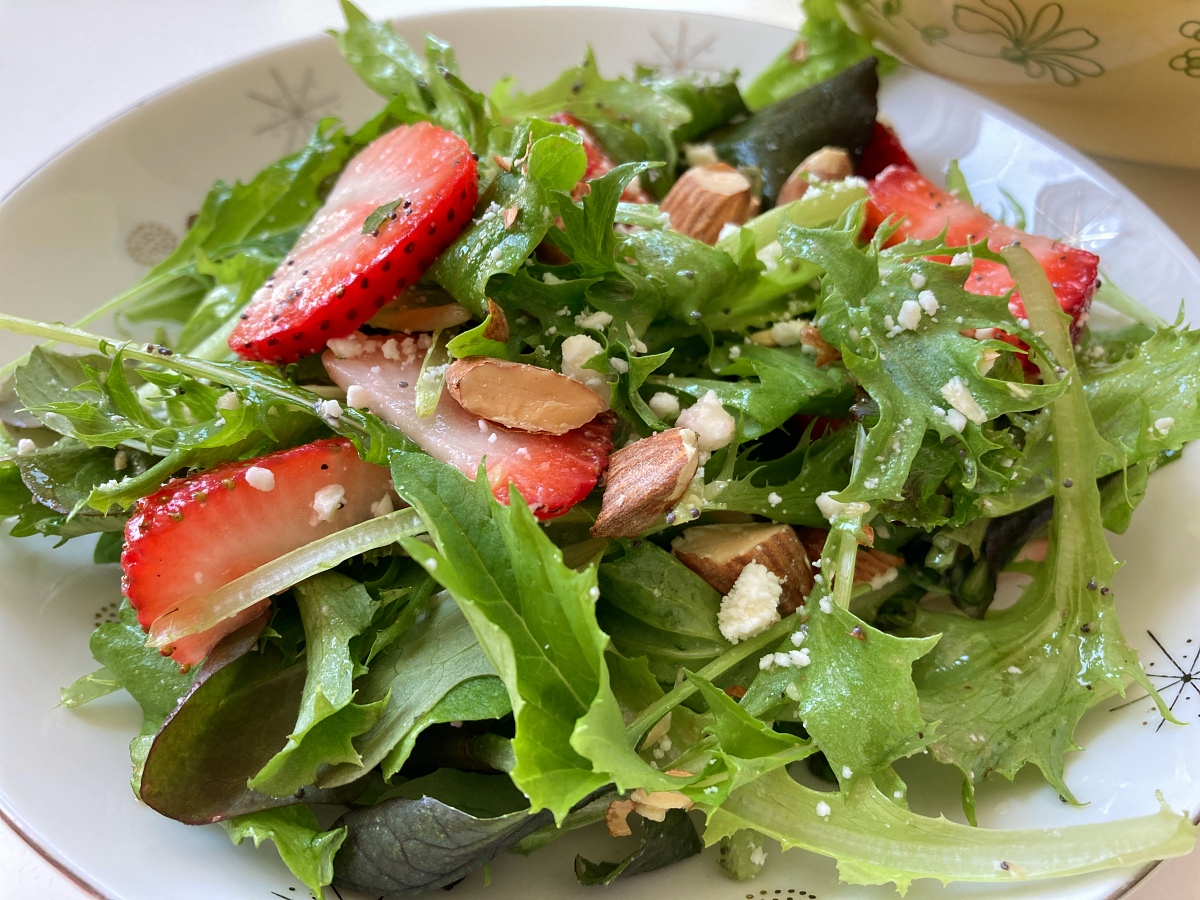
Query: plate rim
x=767, y=16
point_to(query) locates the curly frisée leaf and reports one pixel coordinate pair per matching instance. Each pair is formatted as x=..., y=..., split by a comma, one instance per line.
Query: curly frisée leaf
x=1011, y=688
x=876, y=841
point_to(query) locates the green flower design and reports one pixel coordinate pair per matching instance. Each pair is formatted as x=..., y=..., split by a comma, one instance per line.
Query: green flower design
x=1188, y=62
x=1039, y=46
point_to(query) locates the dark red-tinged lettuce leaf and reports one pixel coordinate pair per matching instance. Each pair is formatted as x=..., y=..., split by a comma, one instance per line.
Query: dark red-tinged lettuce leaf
x=664, y=843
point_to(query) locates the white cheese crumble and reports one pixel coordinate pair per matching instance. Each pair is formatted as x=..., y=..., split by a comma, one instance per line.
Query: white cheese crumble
x=1013, y=670
x=959, y=396
x=735, y=351
x=750, y=607
x=798, y=637
x=1164, y=425
x=596, y=321
x=665, y=406
x=833, y=509
x=884, y=578
x=551, y=278
x=228, y=401
x=826, y=606
x=909, y=316
x=352, y=346
x=917, y=281
x=700, y=155
x=714, y=426
x=788, y=334
x=956, y=420
x=773, y=499
x=260, y=479
x=847, y=772
x=391, y=350
x=758, y=856
x=357, y=397
x=635, y=343
x=823, y=809
x=962, y=259
x=619, y=365
x=25, y=447
x=928, y=302
x=577, y=350
x=382, y=506
x=330, y=409
x=326, y=502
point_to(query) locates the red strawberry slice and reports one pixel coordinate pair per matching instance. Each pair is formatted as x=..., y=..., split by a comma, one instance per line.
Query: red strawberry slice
x=883, y=150
x=337, y=277
x=598, y=162
x=925, y=210
x=203, y=531
x=551, y=472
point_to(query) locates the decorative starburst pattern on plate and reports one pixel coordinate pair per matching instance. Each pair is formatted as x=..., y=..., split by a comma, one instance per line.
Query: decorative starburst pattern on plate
x=679, y=55
x=1179, y=684
x=296, y=107
x=1081, y=214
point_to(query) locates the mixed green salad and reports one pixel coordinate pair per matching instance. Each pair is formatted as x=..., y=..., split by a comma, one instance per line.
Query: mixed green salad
x=641, y=453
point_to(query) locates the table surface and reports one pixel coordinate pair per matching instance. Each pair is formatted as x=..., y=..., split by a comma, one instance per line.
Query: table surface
x=132, y=49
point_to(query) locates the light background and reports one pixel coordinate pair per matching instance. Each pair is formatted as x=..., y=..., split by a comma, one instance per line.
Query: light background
x=67, y=66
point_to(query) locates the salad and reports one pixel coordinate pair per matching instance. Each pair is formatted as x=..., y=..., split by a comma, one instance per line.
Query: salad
x=637, y=453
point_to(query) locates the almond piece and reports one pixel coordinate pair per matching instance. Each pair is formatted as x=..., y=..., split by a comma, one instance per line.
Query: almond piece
x=718, y=553
x=521, y=396
x=704, y=199
x=420, y=309
x=869, y=565
x=616, y=817
x=644, y=481
x=827, y=164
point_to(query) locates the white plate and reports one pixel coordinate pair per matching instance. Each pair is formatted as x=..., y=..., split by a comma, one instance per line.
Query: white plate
x=114, y=204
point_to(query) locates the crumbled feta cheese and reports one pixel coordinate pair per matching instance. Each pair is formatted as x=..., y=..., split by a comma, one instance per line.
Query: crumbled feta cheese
x=728, y=229
x=594, y=594
x=758, y=856
x=25, y=447
x=799, y=658
x=787, y=334
x=700, y=155
x=928, y=302
x=714, y=426
x=391, y=350
x=774, y=499
x=1013, y=670
x=1017, y=390
x=228, y=401
x=1164, y=425
x=326, y=502
x=635, y=343
x=792, y=692
x=959, y=396
x=823, y=809
x=847, y=772
x=565, y=311
x=832, y=509
x=884, y=578
x=909, y=316
x=956, y=420
x=596, y=321
x=619, y=365
x=665, y=406
x=330, y=409
x=962, y=259
x=735, y=351
x=383, y=506
x=798, y=637
x=917, y=281
x=260, y=479
x=825, y=605
x=750, y=607
x=577, y=350
x=357, y=397
x=352, y=346
x=551, y=278
x=523, y=452
x=492, y=438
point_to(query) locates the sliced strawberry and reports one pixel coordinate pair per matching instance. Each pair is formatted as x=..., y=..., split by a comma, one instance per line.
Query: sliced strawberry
x=883, y=150
x=203, y=531
x=551, y=472
x=925, y=210
x=337, y=277
x=598, y=162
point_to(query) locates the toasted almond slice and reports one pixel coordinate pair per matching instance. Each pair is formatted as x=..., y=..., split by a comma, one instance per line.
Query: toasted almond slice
x=826, y=164
x=521, y=396
x=718, y=553
x=616, y=817
x=421, y=309
x=870, y=567
x=655, y=805
x=644, y=481
x=706, y=198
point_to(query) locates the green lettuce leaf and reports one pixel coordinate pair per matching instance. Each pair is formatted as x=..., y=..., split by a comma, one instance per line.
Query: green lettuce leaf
x=304, y=848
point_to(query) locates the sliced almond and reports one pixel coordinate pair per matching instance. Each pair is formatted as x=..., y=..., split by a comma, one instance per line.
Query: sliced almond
x=655, y=805
x=826, y=353
x=826, y=164
x=869, y=566
x=705, y=198
x=718, y=553
x=420, y=309
x=521, y=396
x=497, y=325
x=616, y=817
x=644, y=481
